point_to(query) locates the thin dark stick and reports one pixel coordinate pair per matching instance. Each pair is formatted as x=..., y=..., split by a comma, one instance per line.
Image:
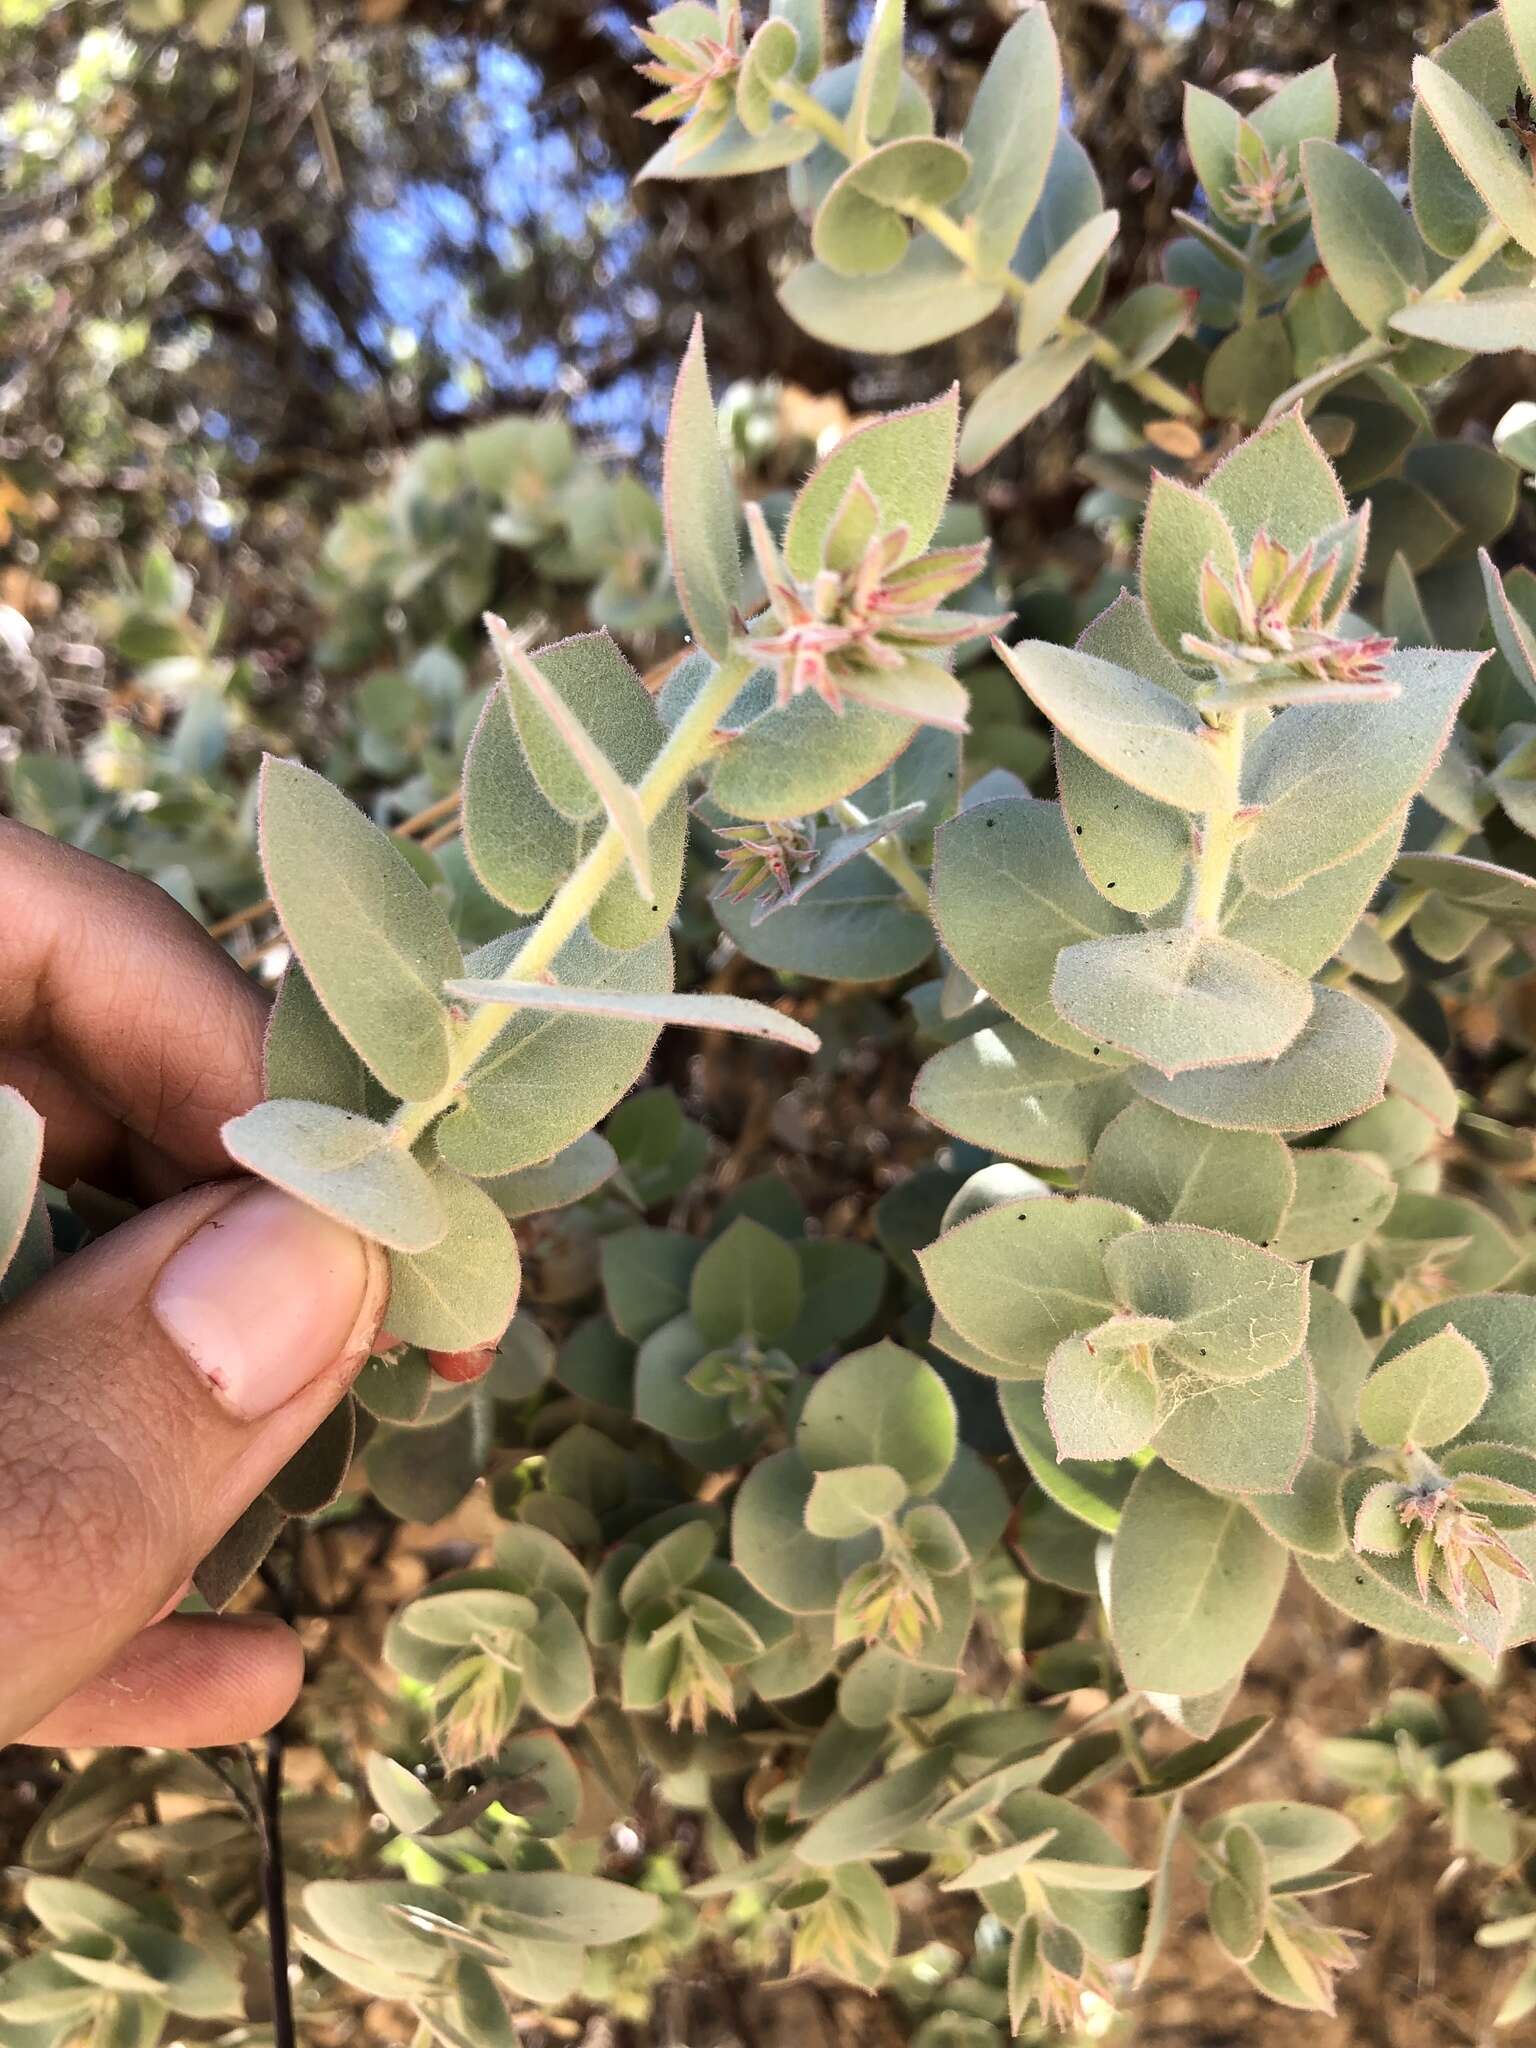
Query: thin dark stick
x=274, y=1887
x=273, y=1877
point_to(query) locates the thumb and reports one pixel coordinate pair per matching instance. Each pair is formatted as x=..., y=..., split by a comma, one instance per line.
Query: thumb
x=150, y=1387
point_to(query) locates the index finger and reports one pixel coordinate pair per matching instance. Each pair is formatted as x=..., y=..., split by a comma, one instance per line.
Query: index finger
x=107, y=981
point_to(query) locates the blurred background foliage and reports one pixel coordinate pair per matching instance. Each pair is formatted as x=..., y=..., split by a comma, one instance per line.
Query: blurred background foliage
x=250, y=257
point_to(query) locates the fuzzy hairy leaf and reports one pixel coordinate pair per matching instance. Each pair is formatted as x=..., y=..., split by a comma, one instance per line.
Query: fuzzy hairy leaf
x=1368, y=241
x=1008, y=895
x=1427, y=1394
x=1193, y=1583
x=699, y=498
x=1180, y=999
x=343, y=1164
x=375, y=945
x=880, y=1406
x=1014, y=1093
x=699, y=1012
x=1137, y=730
x=1018, y=1279
x=461, y=1292
x=1237, y=1311
x=1333, y=1070
x=906, y=459
x=1173, y=1171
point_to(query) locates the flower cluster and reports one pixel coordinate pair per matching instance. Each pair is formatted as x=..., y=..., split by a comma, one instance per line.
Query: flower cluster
x=867, y=624
x=1455, y=1547
x=763, y=860
x=1267, y=186
x=1272, y=616
x=697, y=76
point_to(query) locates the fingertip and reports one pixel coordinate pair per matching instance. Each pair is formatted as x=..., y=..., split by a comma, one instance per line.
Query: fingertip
x=189, y=1682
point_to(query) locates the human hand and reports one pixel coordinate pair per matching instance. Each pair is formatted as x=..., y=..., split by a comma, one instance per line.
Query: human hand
x=155, y=1382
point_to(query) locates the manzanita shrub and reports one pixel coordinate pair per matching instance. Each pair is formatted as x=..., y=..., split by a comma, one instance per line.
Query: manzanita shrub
x=876, y=1562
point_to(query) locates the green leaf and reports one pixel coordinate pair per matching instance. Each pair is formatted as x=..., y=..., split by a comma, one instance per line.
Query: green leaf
x=548, y=1078
x=1193, y=1583
x=1280, y=482
x=856, y=926
x=1330, y=777
x=577, y=1171
x=1180, y=999
x=803, y=756
x=1365, y=237
x=1008, y=895
x=1427, y=1394
x=1336, y=1068
x=374, y=943
x=1100, y=1403
x=1184, y=529
x=1304, y=106
x=853, y=1498
x=746, y=1284
x=1062, y=280
x=842, y=1286
x=1297, y=1840
x=1514, y=632
x=1249, y=1438
x=1011, y=1092
x=1134, y=850
x=238, y=1552
x=343, y=1164
x=1172, y=1171
x=699, y=500
x=1248, y=371
x=1009, y=137
x=1213, y=134
x=773, y=1549
x=317, y=1471
x=21, y=1158
x=304, y=1057
x=558, y=1905
x=1305, y=929
x=1199, y=1762
x=1020, y=393
x=700, y=1012
x=1238, y=1311
x=859, y=229
x=1310, y=1518
x=906, y=459
x=519, y=845
x=572, y=766
x=1341, y=1199
x=1110, y=1923
x=669, y=1565
x=1502, y=895
x=880, y=1406
x=1018, y=1279
x=877, y=1818
x=646, y=1276
x=1136, y=729
x=772, y=54
x=1500, y=175
x=927, y=297
x=1483, y=322
x=461, y=1292
x=878, y=83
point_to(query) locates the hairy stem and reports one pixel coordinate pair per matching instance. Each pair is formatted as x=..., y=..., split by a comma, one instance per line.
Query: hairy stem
x=1220, y=831
x=890, y=854
x=690, y=745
